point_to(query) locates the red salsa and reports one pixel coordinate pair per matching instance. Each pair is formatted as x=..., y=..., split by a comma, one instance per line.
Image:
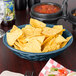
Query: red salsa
x=46, y=9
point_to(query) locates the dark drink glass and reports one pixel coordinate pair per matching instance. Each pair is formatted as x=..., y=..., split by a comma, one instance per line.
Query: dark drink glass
x=32, y=2
x=20, y=4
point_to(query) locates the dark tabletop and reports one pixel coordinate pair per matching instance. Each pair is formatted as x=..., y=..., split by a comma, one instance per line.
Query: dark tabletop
x=9, y=61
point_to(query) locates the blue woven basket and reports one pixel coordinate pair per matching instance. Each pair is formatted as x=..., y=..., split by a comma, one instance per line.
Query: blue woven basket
x=39, y=56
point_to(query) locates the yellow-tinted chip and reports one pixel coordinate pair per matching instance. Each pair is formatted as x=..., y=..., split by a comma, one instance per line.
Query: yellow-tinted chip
x=60, y=39
x=16, y=47
x=47, y=40
x=47, y=46
x=59, y=27
x=14, y=28
x=20, y=45
x=37, y=24
x=64, y=43
x=22, y=39
x=38, y=38
x=32, y=46
x=50, y=31
x=31, y=31
x=11, y=37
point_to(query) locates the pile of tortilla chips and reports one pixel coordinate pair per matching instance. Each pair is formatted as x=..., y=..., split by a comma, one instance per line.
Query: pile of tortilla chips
x=37, y=38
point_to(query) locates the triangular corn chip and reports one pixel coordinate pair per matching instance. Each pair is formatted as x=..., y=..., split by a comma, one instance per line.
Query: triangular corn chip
x=11, y=37
x=32, y=46
x=60, y=39
x=64, y=43
x=38, y=38
x=36, y=23
x=14, y=28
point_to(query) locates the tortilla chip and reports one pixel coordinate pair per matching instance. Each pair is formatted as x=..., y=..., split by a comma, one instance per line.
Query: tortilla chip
x=60, y=39
x=37, y=31
x=22, y=39
x=64, y=43
x=47, y=40
x=32, y=46
x=47, y=46
x=36, y=23
x=20, y=45
x=38, y=38
x=50, y=31
x=59, y=27
x=46, y=49
x=16, y=47
x=52, y=47
x=13, y=36
x=14, y=28
x=28, y=27
x=31, y=31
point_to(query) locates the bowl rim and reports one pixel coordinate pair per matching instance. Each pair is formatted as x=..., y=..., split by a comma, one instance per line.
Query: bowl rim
x=45, y=53
x=32, y=9
x=45, y=18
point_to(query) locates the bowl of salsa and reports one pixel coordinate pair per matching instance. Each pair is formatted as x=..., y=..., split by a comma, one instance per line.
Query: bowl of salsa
x=46, y=11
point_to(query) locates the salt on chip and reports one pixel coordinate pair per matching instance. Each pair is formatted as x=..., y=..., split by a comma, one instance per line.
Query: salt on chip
x=11, y=37
x=22, y=39
x=28, y=27
x=50, y=31
x=31, y=31
x=37, y=31
x=64, y=43
x=60, y=33
x=47, y=40
x=46, y=47
x=22, y=36
x=20, y=45
x=54, y=47
x=38, y=38
x=60, y=39
x=54, y=44
x=32, y=46
x=37, y=24
x=60, y=27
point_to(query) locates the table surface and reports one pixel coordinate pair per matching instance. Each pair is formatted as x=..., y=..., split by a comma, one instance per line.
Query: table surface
x=9, y=61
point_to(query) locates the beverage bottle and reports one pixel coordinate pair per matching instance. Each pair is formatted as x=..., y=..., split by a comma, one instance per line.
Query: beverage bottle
x=9, y=13
x=32, y=2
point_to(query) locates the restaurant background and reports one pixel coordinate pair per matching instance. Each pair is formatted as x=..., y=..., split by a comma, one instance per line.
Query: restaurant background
x=9, y=61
